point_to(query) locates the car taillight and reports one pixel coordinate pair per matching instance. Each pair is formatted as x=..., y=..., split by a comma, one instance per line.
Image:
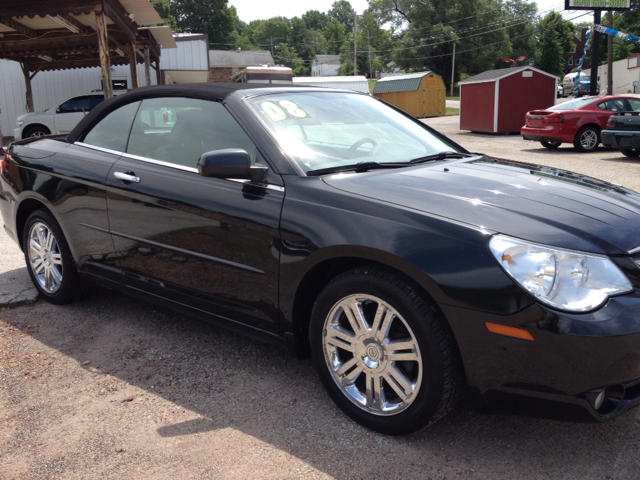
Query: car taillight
x=555, y=118
x=611, y=122
x=3, y=164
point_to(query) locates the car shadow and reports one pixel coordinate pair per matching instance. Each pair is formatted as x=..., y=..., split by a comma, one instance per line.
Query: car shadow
x=235, y=382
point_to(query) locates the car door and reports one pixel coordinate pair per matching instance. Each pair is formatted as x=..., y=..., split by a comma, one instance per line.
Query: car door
x=83, y=168
x=69, y=113
x=606, y=108
x=205, y=242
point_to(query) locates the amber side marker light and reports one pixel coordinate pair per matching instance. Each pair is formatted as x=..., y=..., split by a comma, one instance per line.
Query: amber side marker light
x=509, y=331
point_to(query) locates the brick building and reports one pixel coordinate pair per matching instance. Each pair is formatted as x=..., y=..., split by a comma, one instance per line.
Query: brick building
x=225, y=63
x=571, y=59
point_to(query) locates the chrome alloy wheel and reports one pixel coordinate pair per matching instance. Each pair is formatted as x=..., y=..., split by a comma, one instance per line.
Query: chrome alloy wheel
x=589, y=139
x=372, y=354
x=45, y=259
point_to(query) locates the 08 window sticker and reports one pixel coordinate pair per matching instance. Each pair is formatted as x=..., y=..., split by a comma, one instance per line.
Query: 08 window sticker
x=282, y=110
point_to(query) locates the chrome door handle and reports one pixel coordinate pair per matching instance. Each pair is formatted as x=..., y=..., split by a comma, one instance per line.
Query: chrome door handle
x=126, y=177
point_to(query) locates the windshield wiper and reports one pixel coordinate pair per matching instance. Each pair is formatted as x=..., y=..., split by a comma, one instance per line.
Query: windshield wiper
x=357, y=167
x=442, y=156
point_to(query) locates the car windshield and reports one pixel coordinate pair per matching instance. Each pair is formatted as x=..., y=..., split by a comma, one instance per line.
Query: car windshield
x=331, y=129
x=575, y=104
x=584, y=78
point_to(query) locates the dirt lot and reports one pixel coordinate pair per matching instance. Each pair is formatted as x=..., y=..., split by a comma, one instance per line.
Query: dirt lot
x=111, y=387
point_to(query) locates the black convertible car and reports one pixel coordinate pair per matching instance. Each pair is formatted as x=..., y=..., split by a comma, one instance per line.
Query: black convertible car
x=343, y=228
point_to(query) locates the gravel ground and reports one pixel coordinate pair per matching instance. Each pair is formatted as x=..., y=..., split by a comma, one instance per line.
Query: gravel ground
x=111, y=387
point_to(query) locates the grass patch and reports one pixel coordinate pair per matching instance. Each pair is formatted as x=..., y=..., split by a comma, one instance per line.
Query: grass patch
x=372, y=83
x=453, y=98
x=453, y=111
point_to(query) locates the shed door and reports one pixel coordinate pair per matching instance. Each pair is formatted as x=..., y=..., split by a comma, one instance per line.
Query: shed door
x=430, y=102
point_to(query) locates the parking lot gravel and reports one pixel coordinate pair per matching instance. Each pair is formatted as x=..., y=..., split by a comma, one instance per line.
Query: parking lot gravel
x=111, y=387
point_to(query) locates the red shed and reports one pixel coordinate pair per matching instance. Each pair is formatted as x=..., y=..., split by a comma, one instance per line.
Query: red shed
x=496, y=101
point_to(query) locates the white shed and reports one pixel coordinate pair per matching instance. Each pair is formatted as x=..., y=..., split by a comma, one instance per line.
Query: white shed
x=358, y=83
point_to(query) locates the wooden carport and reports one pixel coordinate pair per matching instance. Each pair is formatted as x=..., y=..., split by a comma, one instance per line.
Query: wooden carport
x=63, y=34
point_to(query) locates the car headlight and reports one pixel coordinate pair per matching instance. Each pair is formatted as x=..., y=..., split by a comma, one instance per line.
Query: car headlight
x=19, y=124
x=564, y=279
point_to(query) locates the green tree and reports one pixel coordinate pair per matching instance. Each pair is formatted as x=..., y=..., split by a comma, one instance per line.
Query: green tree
x=287, y=56
x=213, y=17
x=554, y=35
x=343, y=12
x=164, y=10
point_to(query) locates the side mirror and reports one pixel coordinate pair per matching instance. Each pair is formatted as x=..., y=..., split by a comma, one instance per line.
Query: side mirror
x=58, y=110
x=230, y=163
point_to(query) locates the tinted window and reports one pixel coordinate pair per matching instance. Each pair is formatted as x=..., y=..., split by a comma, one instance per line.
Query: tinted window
x=113, y=130
x=78, y=104
x=613, y=105
x=95, y=100
x=180, y=130
x=634, y=102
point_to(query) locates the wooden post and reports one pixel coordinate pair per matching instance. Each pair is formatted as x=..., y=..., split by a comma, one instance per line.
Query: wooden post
x=147, y=67
x=133, y=65
x=103, y=46
x=27, y=81
x=158, y=73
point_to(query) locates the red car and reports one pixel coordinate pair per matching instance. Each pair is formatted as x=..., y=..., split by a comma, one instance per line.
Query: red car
x=577, y=121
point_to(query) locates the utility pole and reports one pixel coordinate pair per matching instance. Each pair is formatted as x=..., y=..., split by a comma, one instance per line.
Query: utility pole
x=271, y=39
x=355, y=43
x=610, y=57
x=595, y=52
x=453, y=66
x=369, y=46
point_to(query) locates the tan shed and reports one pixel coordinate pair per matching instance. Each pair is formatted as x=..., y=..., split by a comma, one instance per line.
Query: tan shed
x=421, y=94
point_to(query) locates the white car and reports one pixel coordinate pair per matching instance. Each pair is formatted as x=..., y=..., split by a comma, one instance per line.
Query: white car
x=60, y=119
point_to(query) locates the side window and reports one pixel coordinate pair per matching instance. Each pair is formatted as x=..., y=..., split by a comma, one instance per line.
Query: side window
x=113, y=130
x=95, y=100
x=634, y=102
x=180, y=130
x=73, y=105
x=615, y=105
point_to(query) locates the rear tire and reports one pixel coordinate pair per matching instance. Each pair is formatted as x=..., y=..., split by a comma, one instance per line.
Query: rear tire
x=630, y=152
x=49, y=260
x=355, y=322
x=587, y=139
x=550, y=144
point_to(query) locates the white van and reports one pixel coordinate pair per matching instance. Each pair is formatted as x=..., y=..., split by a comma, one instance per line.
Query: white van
x=567, y=83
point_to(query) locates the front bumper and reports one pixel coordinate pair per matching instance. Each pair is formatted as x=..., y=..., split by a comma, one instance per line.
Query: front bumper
x=620, y=139
x=17, y=133
x=572, y=358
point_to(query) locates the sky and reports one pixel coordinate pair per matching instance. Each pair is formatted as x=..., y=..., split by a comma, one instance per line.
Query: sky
x=249, y=10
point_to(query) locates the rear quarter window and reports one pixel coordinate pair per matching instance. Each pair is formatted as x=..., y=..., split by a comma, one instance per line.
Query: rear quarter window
x=112, y=131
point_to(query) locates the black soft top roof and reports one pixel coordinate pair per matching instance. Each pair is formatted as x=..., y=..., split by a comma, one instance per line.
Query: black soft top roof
x=208, y=91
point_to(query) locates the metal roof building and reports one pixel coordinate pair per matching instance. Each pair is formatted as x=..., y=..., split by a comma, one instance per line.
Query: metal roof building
x=421, y=94
x=357, y=83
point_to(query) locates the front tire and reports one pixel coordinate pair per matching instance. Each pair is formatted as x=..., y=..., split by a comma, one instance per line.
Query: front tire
x=382, y=351
x=49, y=260
x=587, y=139
x=36, y=131
x=550, y=144
x=630, y=152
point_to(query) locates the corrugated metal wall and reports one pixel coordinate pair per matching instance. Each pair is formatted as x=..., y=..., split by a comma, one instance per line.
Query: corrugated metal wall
x=190, y=55
x=49, y=88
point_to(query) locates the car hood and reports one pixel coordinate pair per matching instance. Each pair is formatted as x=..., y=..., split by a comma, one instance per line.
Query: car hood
x=532, y=202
